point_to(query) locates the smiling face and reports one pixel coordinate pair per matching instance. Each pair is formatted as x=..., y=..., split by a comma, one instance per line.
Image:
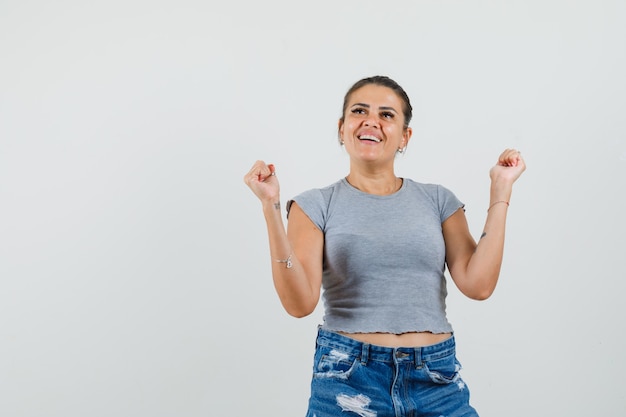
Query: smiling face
x=373, y=125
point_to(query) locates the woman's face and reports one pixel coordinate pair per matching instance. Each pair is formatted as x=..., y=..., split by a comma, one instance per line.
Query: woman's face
x=373, y=125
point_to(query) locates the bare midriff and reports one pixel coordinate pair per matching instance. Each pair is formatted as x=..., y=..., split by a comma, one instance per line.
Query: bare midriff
x=412, y=339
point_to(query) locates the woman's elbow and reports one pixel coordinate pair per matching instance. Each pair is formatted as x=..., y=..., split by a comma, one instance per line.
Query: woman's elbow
x=299, y=311
x=480, y=294
x=477, y=285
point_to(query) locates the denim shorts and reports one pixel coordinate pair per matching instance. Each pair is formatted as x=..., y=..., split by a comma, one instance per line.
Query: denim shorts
x=352, y=378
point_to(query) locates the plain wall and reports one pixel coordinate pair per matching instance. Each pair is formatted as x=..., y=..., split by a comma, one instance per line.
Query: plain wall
x=134, y=267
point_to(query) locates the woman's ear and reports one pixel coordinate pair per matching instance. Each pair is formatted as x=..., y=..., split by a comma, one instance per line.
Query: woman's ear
x=406, y=136
x=340, y=131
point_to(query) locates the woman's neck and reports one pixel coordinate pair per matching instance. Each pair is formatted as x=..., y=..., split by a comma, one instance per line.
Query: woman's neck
x=377, y=184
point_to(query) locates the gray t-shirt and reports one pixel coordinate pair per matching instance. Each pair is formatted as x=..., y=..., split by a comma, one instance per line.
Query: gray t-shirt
x=384, y=256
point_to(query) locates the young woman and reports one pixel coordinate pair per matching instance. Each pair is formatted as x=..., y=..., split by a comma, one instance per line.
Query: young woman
x=378, y=245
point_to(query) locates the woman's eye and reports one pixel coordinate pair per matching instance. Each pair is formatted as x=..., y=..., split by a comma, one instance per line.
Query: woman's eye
x=358, y=110
x=387, y=115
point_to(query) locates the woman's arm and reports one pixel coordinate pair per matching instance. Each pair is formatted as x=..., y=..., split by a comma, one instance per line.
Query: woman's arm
x=297, y=253
x=475, y=267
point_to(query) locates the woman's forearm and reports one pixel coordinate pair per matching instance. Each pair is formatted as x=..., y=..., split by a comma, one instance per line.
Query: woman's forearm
x=295, y=291
x=484, y=266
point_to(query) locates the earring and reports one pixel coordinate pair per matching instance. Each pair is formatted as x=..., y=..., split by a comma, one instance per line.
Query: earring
x=401, y=150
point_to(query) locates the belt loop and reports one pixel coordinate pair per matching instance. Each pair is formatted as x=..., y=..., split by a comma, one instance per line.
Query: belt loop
x=418, y=358
x=365, y=351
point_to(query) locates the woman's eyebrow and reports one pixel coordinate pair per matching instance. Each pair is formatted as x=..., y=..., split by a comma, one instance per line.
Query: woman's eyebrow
x=380, y=108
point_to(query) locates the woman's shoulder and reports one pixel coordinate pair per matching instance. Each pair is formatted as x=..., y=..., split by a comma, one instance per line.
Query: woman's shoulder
x=425, y=186
x=316, y=201
x=435, y=191
x=318, y=196
x=326, y=190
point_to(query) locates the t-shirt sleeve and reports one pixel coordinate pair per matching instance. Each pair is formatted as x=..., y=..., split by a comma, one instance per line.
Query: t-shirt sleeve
x=313, y=204
x=448, y=203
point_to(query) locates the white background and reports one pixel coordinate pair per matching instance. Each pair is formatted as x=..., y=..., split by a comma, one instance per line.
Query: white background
x=134, y=268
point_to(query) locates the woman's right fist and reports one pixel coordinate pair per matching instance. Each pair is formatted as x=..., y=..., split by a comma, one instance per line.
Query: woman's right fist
x=262, y=181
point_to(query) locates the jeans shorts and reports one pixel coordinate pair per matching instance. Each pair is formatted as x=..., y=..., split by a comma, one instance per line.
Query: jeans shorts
x=352, y=378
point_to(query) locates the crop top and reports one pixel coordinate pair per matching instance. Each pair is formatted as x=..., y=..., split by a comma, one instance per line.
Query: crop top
x=384, y=256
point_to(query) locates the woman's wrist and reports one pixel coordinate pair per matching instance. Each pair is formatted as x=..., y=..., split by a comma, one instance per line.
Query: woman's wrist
x=271, y=206
x=503, y=202
x=500, y=192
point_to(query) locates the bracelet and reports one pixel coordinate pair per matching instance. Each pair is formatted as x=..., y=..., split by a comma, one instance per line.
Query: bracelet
x=286, y=261
x=500, y=201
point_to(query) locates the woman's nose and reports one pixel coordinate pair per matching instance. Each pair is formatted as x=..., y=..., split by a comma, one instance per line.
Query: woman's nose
x=371, y=121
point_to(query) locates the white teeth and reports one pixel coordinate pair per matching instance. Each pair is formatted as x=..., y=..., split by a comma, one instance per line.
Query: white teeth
x=369, y=137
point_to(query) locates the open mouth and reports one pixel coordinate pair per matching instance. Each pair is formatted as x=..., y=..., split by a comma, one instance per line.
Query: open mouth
x=370, y=138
